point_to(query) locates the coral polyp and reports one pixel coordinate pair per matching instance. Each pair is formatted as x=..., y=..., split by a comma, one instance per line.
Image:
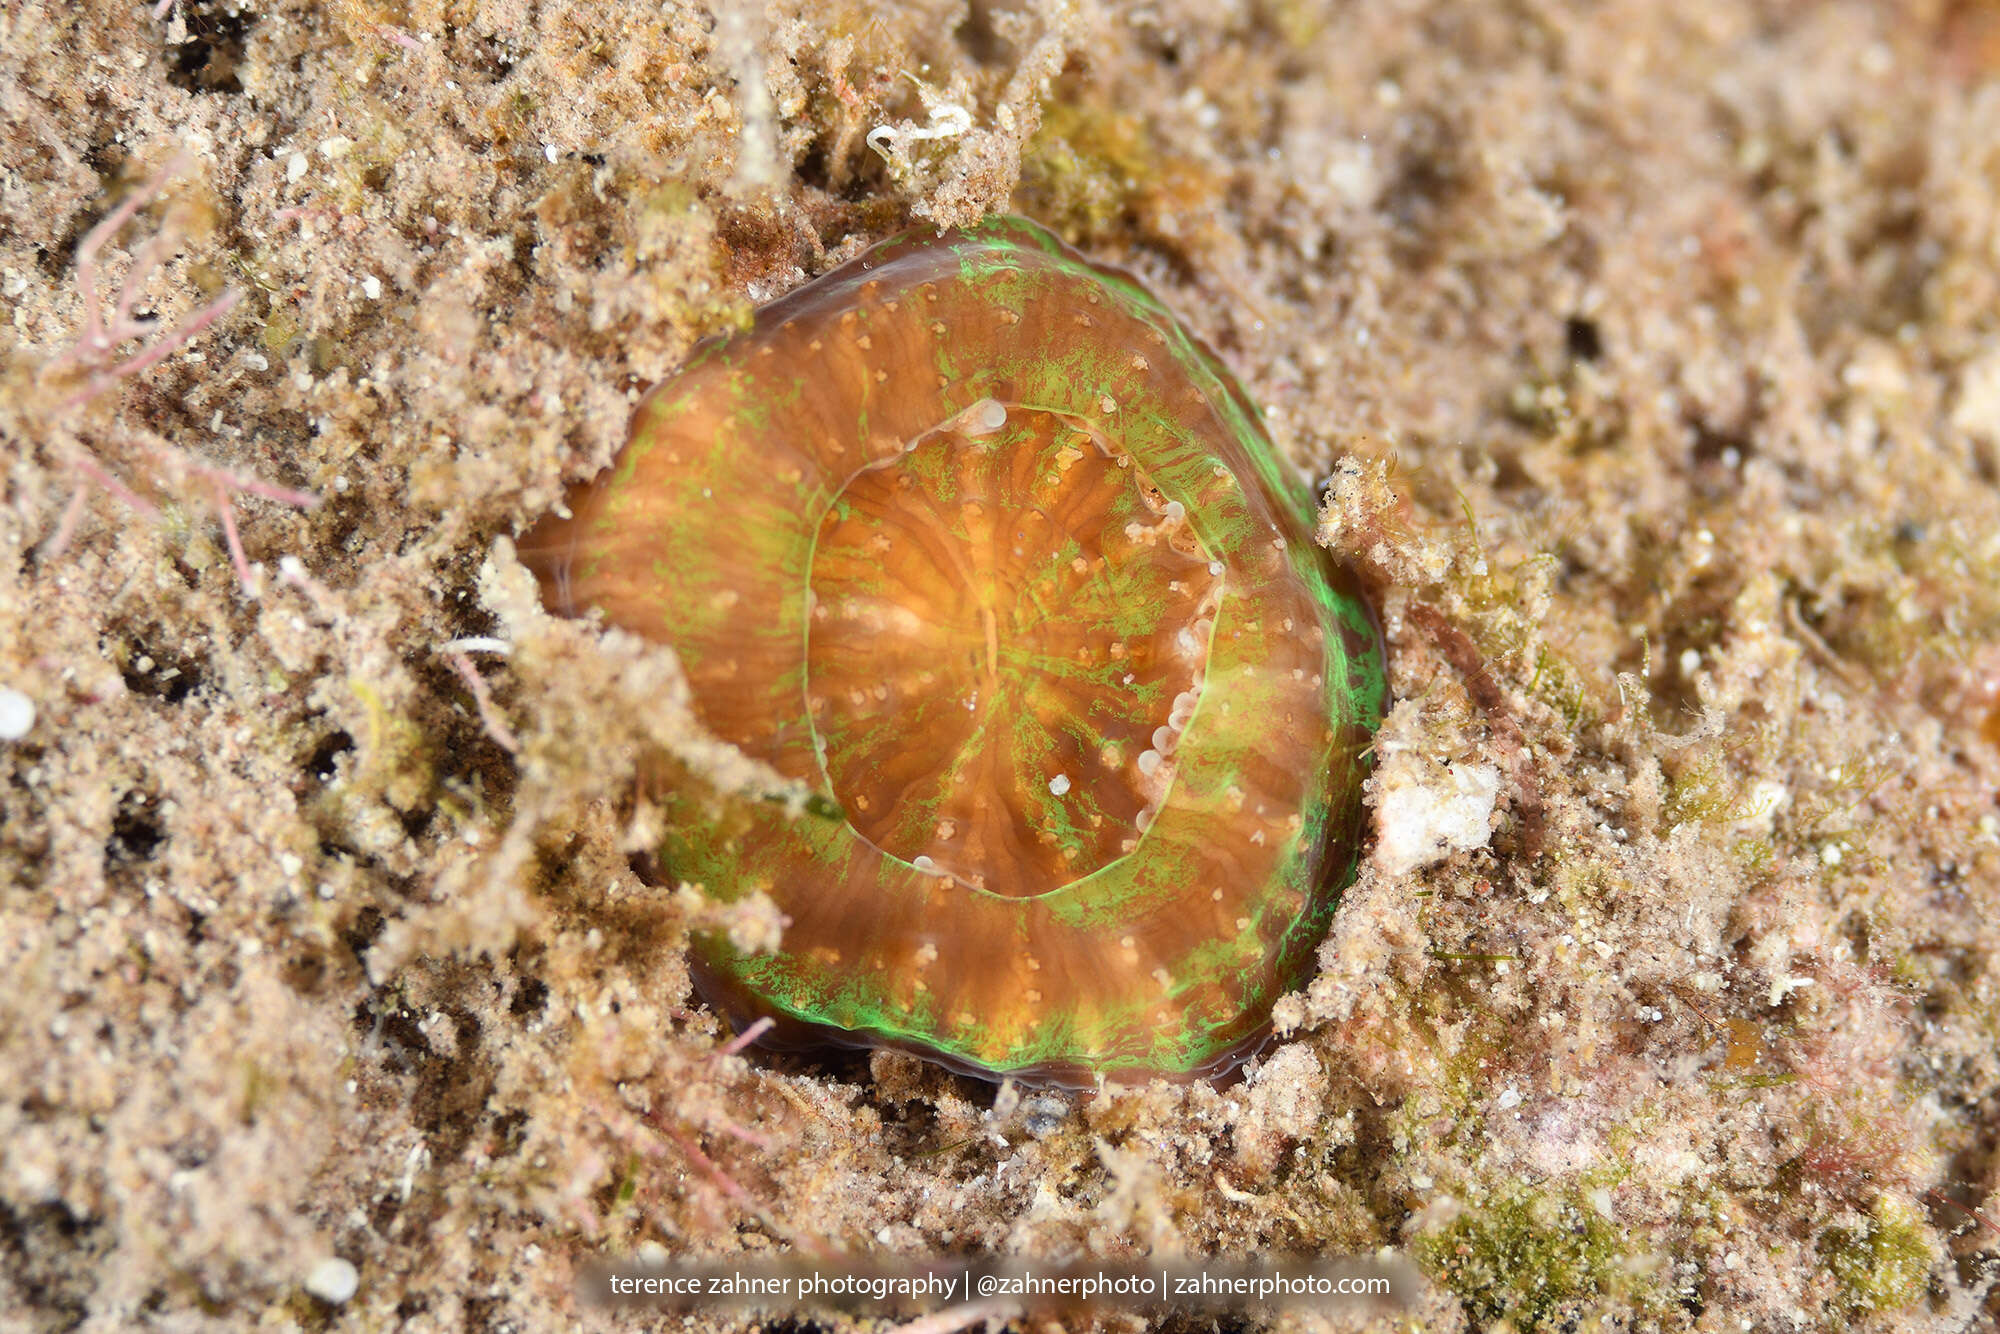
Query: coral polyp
x=974, y=540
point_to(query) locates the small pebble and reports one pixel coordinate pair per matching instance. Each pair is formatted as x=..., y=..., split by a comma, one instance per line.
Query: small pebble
x=1043, y=1114
x=17, y=714
x=333, y=1280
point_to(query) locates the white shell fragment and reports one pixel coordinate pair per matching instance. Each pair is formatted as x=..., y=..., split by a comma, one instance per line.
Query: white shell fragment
x=1427, y=811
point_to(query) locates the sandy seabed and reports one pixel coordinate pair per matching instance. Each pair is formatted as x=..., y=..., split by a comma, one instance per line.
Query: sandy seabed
x=1651, y=353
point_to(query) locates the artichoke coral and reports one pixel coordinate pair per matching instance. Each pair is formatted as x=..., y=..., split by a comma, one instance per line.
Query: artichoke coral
x=973, y=539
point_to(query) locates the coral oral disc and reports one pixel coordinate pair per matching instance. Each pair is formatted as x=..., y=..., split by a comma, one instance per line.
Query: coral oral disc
x=971, y=537
x=974, y=634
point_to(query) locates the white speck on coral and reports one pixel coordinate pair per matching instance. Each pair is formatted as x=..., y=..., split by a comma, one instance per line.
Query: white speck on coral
x=982, y=418
x=1510, y=1099
x=1059, y=784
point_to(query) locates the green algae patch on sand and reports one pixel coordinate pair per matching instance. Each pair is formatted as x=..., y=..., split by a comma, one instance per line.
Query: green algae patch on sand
x=1883, y=1264
x=1535, y=1259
